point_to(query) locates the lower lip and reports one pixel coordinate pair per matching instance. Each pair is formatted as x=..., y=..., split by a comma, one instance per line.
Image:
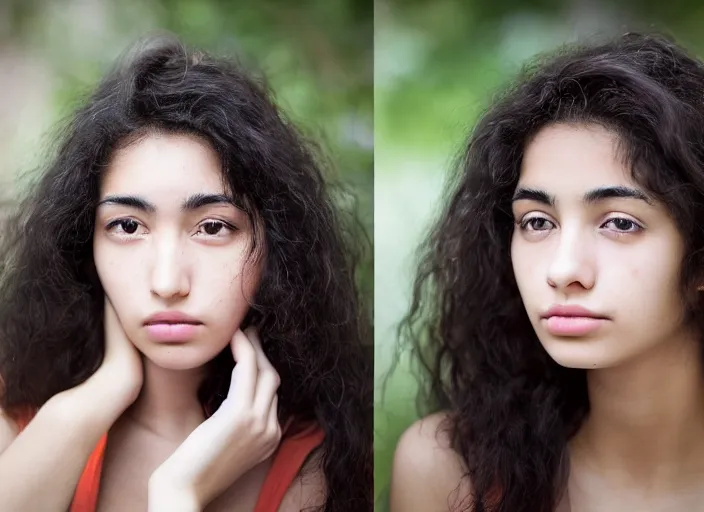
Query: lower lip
x=573, y=325
x=172, y=332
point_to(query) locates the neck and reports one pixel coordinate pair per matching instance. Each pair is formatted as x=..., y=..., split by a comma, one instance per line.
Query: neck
x=168, y=404
x=646, y=419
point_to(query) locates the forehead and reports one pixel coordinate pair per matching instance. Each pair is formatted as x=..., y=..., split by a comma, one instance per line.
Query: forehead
x=164, y=164
x=566, y=157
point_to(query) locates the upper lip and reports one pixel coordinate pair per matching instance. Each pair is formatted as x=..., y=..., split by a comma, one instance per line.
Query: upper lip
x=171, y=317
x=574, y=311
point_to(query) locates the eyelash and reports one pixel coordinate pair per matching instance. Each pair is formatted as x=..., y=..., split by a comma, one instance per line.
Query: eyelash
x=526, y=222
x=120, y=222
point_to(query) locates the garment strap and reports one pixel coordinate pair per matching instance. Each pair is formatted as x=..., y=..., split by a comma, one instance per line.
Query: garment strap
x=85, y=498
x=288, y=461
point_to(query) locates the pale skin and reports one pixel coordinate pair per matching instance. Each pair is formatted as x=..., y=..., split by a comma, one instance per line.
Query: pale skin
x=178, y=244
x=642, y=446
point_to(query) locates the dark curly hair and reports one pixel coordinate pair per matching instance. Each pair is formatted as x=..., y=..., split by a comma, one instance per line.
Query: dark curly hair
x=512, y=409
x=311, y=321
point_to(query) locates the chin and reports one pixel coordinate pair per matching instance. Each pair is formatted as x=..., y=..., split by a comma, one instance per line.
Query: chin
x=581, y=354
x=178, y=356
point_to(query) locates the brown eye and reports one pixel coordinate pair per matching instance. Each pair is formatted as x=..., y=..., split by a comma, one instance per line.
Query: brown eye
x=129, y=226
x=536, y=224
x=623, y=225
x=212, y=228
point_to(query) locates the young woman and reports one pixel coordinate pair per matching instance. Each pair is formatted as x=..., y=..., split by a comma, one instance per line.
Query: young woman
x=183, y=225
x=558, y=308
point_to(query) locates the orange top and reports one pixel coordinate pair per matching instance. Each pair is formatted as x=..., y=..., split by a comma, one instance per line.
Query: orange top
x=287, y=462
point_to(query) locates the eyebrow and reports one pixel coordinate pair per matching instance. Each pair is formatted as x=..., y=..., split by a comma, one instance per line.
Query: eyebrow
x=593, y=196
x=194, y=202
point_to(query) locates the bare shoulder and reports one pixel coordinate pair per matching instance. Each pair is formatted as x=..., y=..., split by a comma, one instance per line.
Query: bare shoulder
x=427, y=475
x=308, y=489
x=8, y=431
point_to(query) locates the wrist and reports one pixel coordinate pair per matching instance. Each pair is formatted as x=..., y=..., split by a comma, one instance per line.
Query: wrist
x=111, y=394
x=88, y=405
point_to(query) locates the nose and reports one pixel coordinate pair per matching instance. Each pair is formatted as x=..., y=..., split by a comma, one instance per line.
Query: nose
x=573, y=263
x=169, y=272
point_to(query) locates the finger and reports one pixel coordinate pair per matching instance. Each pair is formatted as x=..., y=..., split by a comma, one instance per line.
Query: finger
x=268, y=380
x=273, y=423
x=274, y=411
x=267, y=385
x=253, y=336
x=244, y=376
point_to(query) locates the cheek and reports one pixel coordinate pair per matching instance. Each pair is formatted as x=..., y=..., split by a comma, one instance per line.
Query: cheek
x=230, y=291
x=515, y=258
x=121, y=275
x=110, y=271
x=646, y=285
x=229, y=278
x=526, y=268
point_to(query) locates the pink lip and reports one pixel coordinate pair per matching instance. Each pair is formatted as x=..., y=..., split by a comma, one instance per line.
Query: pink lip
x=172, y=326
x=172, y=332
x=572, y=321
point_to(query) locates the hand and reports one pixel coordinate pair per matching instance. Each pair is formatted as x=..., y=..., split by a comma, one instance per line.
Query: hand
x=243, y=432
x=120, y=376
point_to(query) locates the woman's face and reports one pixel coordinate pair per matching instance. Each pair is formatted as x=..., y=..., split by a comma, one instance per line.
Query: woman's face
x=586, y=236
x=169, y=240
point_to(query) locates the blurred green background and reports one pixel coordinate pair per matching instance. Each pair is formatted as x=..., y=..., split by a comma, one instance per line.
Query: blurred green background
x=436, y=66
x=316, y=56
